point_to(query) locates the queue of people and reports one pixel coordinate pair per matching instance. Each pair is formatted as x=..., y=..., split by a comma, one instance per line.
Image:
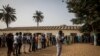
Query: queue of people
x=2, y=40
x=26, y=42
x=78, y=39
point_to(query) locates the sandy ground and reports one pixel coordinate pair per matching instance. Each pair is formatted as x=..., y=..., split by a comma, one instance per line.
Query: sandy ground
x=68, y=50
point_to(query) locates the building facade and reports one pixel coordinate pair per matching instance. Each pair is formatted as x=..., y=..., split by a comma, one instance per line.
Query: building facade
x=68, y=30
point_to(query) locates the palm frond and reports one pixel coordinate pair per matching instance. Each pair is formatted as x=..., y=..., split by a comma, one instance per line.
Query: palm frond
x=38, y=17
x=8, y=14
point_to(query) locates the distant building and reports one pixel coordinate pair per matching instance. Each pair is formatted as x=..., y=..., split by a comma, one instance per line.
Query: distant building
x=68, y=30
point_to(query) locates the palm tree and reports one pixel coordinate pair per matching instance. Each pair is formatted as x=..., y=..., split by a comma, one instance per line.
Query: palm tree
x=7, y=15
x=38, y=17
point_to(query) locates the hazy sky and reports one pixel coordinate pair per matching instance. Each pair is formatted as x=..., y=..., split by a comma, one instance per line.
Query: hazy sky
x=54, y=11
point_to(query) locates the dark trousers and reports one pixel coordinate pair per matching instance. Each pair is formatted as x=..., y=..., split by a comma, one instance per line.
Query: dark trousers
x=43, y=45
x=36, y=46
x=33, y=47
x=30, y=46
x=19, y=48
x=10, y=49
x=15, y=50
x=0, y=44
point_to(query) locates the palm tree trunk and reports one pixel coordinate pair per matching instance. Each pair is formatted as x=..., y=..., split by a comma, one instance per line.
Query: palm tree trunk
x=37, y=24
x=7, y=25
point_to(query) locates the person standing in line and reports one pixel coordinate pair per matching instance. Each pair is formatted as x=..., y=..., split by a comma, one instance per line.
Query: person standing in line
x=65, y=41
x=36, y=42
x=33, y=43
x=15, y=45
x=42, y=41
x=59, y=41
x=50, y=39
x=4, y=40
x=24, y=43
x=30, y=43
x=39, y=42
x=9, y=41
x=0, y=40
x=47, y=40
x=53, y=40
x=71, y=39
x=19, y=42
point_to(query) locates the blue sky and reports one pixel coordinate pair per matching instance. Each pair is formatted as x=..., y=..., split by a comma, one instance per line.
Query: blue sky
x=55, y=12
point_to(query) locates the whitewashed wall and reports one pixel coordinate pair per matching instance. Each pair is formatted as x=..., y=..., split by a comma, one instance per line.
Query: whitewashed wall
x=54, y=32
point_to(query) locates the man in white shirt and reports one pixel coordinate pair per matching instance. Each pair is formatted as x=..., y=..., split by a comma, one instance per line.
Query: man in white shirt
x=59, y=40
x=15, y=44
